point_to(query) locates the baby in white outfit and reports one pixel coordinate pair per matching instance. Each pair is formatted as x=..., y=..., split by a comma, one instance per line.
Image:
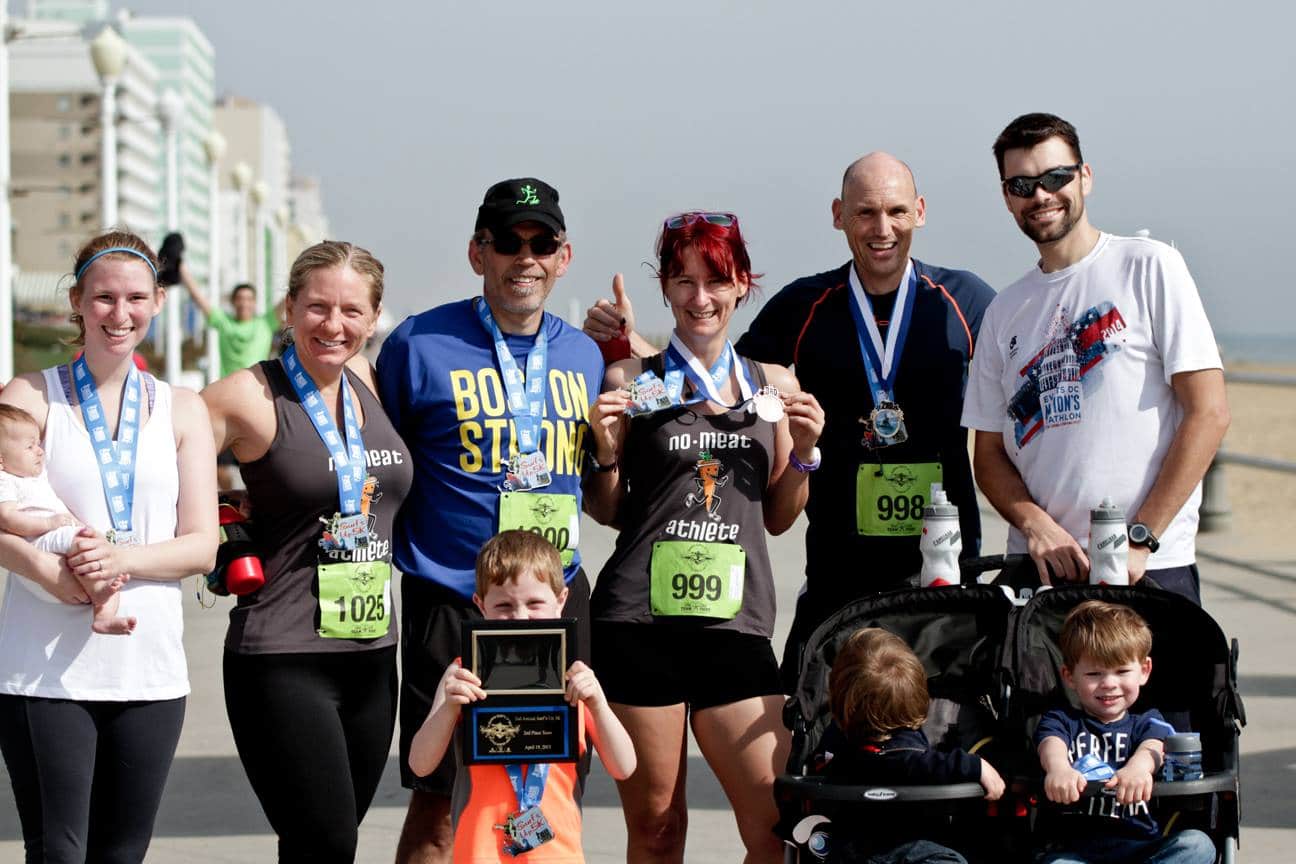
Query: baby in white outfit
x=30, y=509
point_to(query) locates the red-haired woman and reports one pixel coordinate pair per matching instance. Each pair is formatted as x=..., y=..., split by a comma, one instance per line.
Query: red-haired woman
x=698, y=452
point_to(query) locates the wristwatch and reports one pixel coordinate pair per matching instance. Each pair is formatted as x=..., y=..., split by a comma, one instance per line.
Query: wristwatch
x=594, y=465
x=1140, y=535
x=805, y=467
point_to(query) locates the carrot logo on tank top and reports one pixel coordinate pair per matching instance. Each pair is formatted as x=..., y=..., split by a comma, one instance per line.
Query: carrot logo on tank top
x=711, y=475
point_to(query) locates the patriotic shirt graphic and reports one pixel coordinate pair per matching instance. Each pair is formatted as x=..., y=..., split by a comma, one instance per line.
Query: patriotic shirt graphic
x=1050, y=392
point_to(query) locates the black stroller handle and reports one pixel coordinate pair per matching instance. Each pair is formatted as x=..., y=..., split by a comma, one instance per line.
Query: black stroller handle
x=817, y=788
x=971, y=568
x=1215, y=781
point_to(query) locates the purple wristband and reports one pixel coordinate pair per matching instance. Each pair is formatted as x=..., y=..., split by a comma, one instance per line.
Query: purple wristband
x=805, y=467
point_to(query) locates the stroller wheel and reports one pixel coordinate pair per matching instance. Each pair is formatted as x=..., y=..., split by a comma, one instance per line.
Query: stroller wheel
x=1229, y=852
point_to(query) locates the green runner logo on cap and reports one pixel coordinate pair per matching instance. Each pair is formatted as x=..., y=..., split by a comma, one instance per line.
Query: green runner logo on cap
x=529, y=195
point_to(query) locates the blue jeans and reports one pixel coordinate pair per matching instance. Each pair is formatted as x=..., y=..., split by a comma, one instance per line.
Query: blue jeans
x=1186, y=847
x=918, y=852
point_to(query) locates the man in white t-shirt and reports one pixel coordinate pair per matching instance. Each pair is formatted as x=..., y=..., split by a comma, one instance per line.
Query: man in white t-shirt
x=1096, y=376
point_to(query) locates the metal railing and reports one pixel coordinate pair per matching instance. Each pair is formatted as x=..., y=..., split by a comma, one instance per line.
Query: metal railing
x=1215, y=513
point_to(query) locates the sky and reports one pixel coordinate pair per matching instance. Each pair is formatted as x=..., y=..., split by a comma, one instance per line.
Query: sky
x=408, y=111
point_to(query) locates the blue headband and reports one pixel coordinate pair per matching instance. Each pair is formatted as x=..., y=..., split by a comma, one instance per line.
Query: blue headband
x=95, y=257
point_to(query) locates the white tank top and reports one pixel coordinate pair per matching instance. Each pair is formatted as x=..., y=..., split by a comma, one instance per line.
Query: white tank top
x=48, y=649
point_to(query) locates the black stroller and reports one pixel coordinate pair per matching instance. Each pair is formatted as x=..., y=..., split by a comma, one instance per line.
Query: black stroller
x=993, y=669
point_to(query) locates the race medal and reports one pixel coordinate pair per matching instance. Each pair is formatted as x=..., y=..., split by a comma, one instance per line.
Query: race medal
x=889, y=499
x=885, y=425
x=526, y=471
x=554, y=517
x=121, y=538
x=354, y=599
x=768, y=404
x=647, y=394
x=345, y=532
x=525, y=830
x=699, y=579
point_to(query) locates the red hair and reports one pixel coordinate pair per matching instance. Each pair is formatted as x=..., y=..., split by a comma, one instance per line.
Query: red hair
x=721, y=246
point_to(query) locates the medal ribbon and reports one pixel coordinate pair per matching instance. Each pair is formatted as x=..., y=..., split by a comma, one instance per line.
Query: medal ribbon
x=116, y=458
x=526, y=396
x=882, y=360
x=350, y=469
x=681, y=362
x=530, y=790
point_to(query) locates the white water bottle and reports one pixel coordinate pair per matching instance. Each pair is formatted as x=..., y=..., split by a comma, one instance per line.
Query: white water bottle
x=941, y=541
x=1108, y=545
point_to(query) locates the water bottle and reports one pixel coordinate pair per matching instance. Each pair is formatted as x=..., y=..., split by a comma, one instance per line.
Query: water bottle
x=941, y=541
x=1183, y=757
x=238, y=567
x=1108, y=545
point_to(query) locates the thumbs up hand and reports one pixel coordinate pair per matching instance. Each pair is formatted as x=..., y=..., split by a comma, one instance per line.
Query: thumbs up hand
x=607, y=320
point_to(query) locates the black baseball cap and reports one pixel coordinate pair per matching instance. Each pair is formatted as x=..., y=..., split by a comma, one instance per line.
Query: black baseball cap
x=524, y=199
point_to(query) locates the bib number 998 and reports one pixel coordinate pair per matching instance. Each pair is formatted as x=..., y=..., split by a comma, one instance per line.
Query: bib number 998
x=364, y=607
x=900, y=507
x=695, y=586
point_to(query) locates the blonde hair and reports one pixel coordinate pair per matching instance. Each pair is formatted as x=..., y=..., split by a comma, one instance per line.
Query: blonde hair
x=509, y=555
x=328, y=254
x=1107, y=634
x=12, y=416
x=877, y=684
x=119, y=238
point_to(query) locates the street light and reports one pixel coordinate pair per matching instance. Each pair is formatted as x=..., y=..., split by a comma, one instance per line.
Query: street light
x=171, y=113
x=108, y=51
x=214, y=144
x=283, y=219
x=260, y=192
x=241, y=176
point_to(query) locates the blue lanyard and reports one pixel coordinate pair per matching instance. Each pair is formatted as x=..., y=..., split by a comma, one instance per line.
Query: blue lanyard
x=882, y=360
x=350, y=470
x=526, y=397
x=529, y=791
x=116, y=458
x=681, y=362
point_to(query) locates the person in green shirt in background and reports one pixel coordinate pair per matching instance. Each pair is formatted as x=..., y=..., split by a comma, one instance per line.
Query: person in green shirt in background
x=246, y=339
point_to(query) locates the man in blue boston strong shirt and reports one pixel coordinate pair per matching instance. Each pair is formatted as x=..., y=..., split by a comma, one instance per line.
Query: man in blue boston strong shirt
x=491, y=394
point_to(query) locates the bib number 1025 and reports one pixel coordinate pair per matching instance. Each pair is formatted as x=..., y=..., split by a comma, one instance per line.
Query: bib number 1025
x=362, y=607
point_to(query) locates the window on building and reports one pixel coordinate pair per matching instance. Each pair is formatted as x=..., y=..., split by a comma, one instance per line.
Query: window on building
x=64, y=160
x=64, y=220
x=63, y=103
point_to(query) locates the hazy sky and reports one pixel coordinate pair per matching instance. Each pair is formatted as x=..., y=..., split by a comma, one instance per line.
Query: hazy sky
x=407, y=111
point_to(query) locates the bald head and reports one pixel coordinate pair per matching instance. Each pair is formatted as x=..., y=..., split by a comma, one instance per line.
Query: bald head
x=878, y=169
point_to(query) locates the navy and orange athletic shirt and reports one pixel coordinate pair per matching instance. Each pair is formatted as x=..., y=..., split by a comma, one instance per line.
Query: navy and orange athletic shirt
x=809, y=325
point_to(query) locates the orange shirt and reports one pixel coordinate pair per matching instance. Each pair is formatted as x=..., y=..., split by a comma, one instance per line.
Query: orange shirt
x=483, y=797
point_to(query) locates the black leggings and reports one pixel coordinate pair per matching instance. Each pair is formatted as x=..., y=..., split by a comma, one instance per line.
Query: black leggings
x=88, y=776
x=313, y=731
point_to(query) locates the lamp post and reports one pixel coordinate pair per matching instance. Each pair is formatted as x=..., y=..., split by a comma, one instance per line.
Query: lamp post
x=260, y=192
x=171, y=113
x=6, y=220
x=241, y=176
x=108, y=51
x=283, y=220
x=214, y=144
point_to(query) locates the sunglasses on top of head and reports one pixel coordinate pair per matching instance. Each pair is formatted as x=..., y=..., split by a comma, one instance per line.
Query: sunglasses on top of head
x=508, y=243
x=724, y=220
x=1051, y=181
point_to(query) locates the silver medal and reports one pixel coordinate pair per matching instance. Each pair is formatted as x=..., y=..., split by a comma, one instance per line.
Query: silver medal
x=768, y=404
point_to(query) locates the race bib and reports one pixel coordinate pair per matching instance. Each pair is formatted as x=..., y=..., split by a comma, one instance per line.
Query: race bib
x=553, y=516
x=889, y=499
x=354, y=599
x=703, y=579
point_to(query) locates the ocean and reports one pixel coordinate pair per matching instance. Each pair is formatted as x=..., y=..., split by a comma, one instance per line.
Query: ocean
x=1252, y=348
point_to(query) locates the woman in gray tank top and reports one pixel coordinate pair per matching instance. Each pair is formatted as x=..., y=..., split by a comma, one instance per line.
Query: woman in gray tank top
x=717, y=453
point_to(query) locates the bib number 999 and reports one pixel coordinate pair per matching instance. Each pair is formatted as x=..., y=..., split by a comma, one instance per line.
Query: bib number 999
x=900, y=507
x=364, y=607
x=695, y=586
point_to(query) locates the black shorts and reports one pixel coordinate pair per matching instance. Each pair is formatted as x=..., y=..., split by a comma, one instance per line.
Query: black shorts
x=431, y=638
x=651, y=665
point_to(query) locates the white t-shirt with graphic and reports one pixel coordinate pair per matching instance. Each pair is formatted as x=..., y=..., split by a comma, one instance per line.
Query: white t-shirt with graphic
x=1074, y=368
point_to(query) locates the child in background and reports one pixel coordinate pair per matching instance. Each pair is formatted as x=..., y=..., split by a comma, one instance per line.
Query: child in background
x=878, y=694
x=1105, y=655
x=30, y=509
x=519, y=577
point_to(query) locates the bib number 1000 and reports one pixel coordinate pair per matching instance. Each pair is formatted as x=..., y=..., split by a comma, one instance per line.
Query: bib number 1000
x=695, y=586
x=900, y=507
x=363, y=607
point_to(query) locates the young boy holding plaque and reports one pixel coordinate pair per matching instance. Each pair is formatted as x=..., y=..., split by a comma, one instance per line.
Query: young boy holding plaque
x=502, y=810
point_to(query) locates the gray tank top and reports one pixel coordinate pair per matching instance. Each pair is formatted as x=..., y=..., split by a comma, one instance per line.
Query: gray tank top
x=695, y=482
x=293, y=488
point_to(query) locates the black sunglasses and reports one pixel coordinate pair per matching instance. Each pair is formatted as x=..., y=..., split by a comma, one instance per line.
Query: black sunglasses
x=1051, y=180
x=508, y=243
